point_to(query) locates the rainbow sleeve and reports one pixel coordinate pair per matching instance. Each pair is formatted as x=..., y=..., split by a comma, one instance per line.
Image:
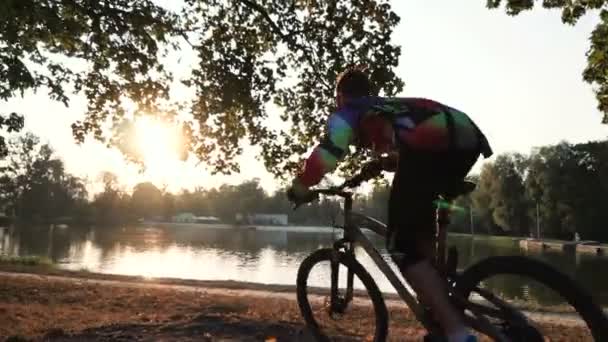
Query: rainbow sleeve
x=325, y=157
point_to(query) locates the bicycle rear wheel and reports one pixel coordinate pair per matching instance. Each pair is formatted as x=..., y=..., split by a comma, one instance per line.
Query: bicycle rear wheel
x=473, y=279
x=322, y=258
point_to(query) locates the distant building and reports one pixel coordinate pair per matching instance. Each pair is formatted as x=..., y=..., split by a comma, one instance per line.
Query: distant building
x=184, y=218
x=263, y=219
x=207, y=219
x=191, y=218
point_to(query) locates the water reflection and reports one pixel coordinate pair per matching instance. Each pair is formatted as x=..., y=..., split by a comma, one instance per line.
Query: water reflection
x=266, y=255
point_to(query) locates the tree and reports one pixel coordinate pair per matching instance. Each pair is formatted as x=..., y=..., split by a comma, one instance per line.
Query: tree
x=107, y=50
x=248, y=197
x=168, y=205
x=197, y=201
x=498, y=199
x=9, y=123
x=597, y=56
x=147, y=200
x=288, y=53
x=51, y=192
x=249, y=54
x=34, y=184
x=278, y=203
x=568, y=183
x=509, y=207
x=111, y=205
x=15, y=175
x=482, y=199
x=553, y=181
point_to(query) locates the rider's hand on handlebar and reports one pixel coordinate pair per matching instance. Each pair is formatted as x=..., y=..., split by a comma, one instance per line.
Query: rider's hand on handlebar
x=299, y=194
x=390, y=162
x=370, y=170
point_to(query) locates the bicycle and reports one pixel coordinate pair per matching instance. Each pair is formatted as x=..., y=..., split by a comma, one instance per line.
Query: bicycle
x=498, y=319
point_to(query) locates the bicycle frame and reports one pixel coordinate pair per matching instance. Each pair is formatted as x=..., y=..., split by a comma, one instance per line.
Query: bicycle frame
x=354, y=236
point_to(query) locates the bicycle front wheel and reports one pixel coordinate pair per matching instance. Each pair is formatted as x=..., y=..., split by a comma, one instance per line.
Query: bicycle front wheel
x=540, y=280
x=352, y=317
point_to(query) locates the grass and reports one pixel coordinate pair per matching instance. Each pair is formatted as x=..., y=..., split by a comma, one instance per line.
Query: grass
x=30, y=260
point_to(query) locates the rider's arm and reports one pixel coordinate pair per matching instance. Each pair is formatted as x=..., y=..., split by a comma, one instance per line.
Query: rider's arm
x=325, y=157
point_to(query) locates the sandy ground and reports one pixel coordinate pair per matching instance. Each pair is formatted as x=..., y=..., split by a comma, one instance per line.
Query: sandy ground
x=65, y=306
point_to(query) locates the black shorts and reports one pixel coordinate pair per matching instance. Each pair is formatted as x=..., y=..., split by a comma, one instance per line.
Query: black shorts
x=420, y=178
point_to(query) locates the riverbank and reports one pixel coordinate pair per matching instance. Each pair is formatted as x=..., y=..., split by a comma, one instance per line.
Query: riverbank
x=44, y=267
x=582, y=247
x=244, y=227
x=41, y=302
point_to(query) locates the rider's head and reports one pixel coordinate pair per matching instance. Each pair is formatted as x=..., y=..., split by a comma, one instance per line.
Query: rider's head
x=352, y=83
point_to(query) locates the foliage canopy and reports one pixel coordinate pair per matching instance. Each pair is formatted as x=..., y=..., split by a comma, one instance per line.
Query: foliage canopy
x=250, y=53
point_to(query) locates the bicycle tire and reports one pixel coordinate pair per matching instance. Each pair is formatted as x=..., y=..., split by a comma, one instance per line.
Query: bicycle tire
x=564, y=285
x=351, y=263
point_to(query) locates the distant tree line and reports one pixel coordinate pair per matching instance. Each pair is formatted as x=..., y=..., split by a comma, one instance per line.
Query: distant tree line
x=556, y=190
x=34, y=187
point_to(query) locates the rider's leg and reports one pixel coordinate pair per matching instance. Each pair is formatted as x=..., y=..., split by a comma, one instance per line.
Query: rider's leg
x=431, y=290
x=415, y=264
x=412, y=229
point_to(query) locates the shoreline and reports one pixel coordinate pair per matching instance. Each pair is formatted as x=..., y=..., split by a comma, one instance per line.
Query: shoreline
x=53, y=271
x=43, y=303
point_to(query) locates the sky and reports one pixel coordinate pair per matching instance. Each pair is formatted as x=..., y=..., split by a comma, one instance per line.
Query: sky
x=518, y=77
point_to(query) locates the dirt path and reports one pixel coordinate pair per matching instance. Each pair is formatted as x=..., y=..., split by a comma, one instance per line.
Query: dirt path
x=61, y=308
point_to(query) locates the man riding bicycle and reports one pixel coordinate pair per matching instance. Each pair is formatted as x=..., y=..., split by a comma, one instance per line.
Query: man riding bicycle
x=433, y=147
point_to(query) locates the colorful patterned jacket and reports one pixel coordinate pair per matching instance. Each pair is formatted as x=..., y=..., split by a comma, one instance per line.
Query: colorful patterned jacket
x=385, y=125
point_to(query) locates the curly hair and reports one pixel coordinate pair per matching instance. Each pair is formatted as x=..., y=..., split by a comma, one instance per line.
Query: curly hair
x=354, y=82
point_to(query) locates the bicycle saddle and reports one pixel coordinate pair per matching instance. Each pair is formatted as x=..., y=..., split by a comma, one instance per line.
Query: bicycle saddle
x=459, y=189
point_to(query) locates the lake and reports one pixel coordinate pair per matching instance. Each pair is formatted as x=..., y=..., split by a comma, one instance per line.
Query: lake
x=269, y=255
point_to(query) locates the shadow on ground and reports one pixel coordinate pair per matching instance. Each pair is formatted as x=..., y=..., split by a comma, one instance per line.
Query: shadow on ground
x=215, y=323
x=201, y=328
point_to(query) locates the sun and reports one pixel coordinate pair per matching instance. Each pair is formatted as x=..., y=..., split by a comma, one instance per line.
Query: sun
x=157, y=143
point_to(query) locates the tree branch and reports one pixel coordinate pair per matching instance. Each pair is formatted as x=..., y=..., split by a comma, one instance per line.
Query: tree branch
x=262, y=11
x=289, y=38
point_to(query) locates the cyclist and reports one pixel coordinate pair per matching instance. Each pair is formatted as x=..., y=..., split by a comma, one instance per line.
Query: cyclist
x=431, y=145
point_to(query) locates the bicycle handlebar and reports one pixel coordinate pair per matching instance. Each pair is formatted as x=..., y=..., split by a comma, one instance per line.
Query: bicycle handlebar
x=368, y=171
x=335, y=191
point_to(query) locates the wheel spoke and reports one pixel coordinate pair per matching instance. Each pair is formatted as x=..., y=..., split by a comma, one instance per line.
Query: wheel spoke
x=349, y=315
x=549, y=285
x=505, y=307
